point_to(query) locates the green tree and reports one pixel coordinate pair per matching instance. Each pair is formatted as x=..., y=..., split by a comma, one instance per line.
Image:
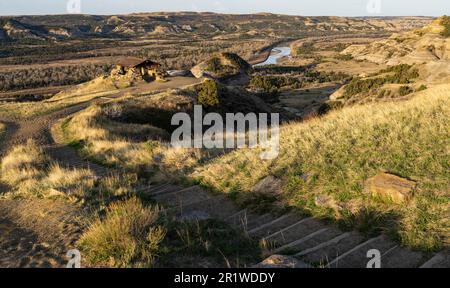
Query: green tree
x=209, y=94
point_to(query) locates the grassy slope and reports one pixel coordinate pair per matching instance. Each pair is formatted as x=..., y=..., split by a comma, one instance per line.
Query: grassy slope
x=111, y=142
x=80, y=94
x=337, y=153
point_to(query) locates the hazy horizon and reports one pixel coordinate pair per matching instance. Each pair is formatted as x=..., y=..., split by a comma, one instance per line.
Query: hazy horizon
x=348, y=8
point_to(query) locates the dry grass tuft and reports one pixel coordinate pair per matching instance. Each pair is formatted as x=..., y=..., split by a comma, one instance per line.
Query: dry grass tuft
x=22, y=163
x=128, y=236
x=31, y=173
x=333, y=156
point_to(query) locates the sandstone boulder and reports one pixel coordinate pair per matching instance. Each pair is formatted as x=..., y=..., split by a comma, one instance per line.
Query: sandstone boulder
x=386, y=185
x=269, y=185
x=281, y=261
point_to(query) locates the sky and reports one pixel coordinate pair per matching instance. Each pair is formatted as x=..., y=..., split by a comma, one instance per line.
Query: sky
x=290, y=7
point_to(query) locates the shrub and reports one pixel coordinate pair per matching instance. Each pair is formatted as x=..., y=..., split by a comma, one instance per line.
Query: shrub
x=400, y=74
x=446, y=23
x=422, y=87
x=271, y=84
x=328, y=106
x=128, y=236
x=405, y=90
x=50, y=76
x=214, y=65
x=344, y=57
x=307, y=49
x=357, y=86
x=209, y=94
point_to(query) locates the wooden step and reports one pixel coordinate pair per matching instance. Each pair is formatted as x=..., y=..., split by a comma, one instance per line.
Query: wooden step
x=295, y=231
x=160, y=190
x=149, y=189
x=246, y=220
x=274, y=226
x=237, y=217
x=218, y=207
x=299, y=244
x=184, y=197
x=253, y=221
x=440, y=260
x=310, y=241
x=357, y=256
x=401, y=257
x=325, y=252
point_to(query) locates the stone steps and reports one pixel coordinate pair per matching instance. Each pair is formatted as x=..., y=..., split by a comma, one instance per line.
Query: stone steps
x=298, y=230
x=357, y=256
x=159, y=190
x=253, y=221
x=401, y=257
x=440, y=260
x=279, y=223
x=238, y=218
x=180, y=198
x=326, y=252
x=310, y=241
x=216, y=207
x=307, y=239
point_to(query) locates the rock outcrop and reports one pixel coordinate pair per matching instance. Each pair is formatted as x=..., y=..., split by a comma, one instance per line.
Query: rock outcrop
x=414, y=47
x=222, y=66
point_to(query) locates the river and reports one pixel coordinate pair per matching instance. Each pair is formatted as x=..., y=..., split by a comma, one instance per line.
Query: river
x=276, y=54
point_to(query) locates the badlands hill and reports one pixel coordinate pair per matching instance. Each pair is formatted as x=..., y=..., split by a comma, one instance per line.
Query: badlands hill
x=221, y=66
x=61, y=27
x=428, y=47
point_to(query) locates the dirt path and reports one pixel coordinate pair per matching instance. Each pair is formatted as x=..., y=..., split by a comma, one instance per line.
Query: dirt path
x=22, y=247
